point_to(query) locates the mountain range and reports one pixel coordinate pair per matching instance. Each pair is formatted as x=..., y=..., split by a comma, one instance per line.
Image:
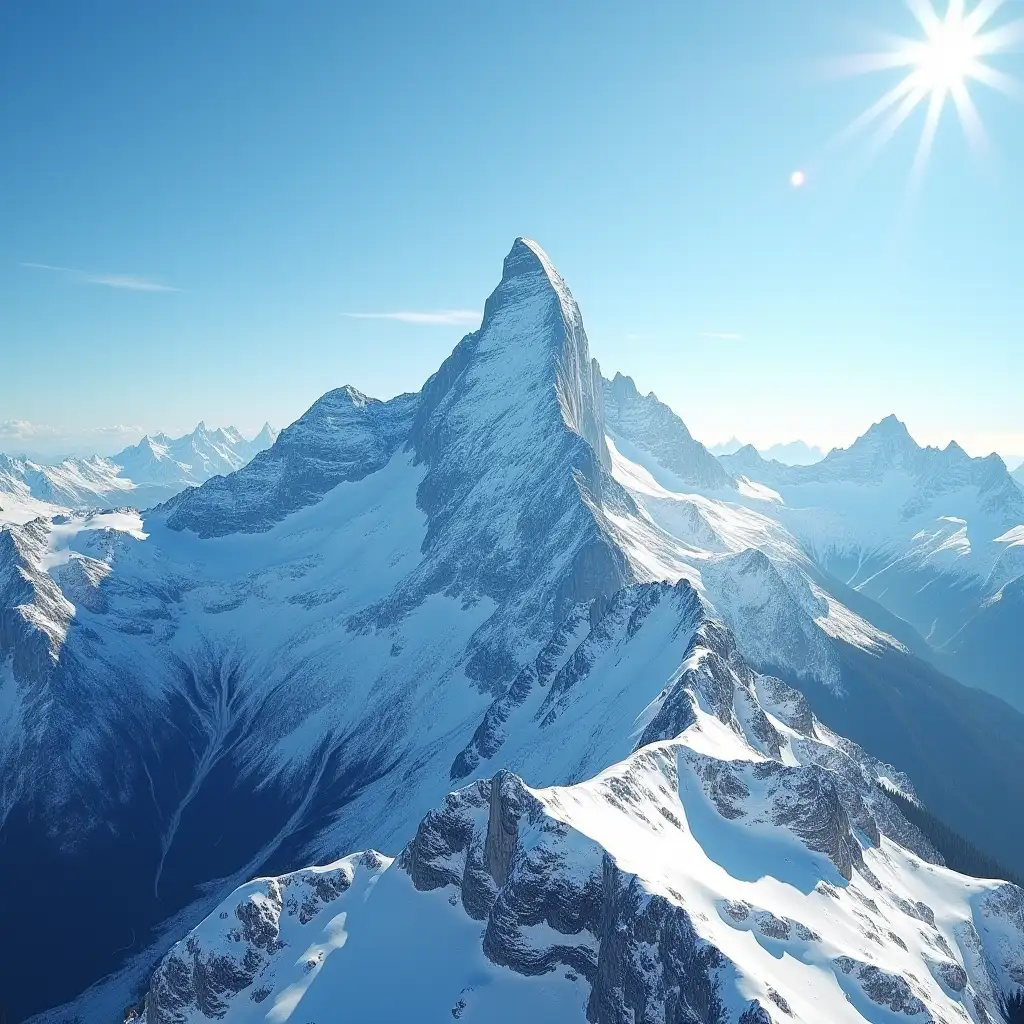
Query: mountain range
x=142, y=475
x=574, y=720
x=791, y=453
x=932, y=535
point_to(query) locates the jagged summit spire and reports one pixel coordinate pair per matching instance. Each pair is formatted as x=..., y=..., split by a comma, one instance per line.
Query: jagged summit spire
x=526, y=256
x=531, y=327
x=528, y=271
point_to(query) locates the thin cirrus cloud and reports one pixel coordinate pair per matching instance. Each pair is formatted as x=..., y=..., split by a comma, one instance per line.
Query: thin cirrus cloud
x=25, y=430
x=722, y=336
x=442, y=317
x=129, y=282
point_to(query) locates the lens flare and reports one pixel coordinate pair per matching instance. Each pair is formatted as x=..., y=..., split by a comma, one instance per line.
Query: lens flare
x=938, y=72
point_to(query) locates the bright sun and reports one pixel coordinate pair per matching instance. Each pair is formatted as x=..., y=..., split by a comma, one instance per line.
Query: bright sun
x=949, y=54
x=939, y=69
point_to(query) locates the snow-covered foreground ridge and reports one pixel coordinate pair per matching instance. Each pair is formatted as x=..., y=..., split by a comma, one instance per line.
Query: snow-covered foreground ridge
x=748, y=869
x=523, y=567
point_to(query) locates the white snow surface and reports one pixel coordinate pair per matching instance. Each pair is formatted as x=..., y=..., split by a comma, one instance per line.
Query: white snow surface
x=435, y=589
x=706, y=828
x=142, y=475
x=747, y=565
x=887, y=510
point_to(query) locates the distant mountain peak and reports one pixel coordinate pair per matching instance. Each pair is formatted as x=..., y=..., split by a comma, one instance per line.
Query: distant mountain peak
x=645, y=421
x=267, y=433
x=730, y=447
x=892, y=430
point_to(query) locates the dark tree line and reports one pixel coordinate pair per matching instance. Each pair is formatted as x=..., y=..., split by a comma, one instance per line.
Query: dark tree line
x=959, y=853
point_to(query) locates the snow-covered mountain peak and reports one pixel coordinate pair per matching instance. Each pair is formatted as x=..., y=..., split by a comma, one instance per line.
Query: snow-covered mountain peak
x=533, y=326
x=884, y=445
x=892, y=428
x=296, y=660
x=742, y=865
x=746, y=459
x=343, y=436
x=526, y=257
x=643, y=424
x=265, y=438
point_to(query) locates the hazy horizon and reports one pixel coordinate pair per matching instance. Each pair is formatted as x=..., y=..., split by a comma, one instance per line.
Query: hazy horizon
x=47, y=443
x=322, y=201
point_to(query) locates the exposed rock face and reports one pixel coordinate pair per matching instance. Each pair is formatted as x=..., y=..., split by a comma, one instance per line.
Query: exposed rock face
x=34, y=614
x=653, y=964
x=516, y=874
x=204, y=974
x=882, y=987
x=344, y=436
x=294, y=661
x=655, y=429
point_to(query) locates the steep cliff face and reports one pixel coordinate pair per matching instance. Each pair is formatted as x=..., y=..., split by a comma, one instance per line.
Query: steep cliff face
x=647, y=425
x=299, y=659
x=697, y=880
x=512, y=436
x=268, y=648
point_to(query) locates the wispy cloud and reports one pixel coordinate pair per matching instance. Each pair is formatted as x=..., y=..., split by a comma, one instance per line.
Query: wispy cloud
x=130, y=282
x=22, y=430
x=722, y=336
x=445, y=317
x=49, y=442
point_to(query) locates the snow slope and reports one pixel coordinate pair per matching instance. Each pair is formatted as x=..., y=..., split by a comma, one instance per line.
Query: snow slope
x=297, y=660
x=925, y=533
x=142, y=475
x=917, y=529
x=742, y=865
x=922, y=533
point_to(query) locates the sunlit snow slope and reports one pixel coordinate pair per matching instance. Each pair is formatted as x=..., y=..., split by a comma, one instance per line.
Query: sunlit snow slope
x=300, y=659
x=141, y=476
x=746, y=868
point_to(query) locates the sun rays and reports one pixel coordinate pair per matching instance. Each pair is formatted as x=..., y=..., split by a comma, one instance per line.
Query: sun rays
x=939, y=70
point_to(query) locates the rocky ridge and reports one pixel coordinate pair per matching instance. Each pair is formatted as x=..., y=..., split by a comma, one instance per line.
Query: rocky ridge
x=397, y=594
x=620, y=899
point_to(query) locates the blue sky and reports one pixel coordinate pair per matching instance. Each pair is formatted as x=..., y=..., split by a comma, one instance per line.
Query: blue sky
x=223, y=183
